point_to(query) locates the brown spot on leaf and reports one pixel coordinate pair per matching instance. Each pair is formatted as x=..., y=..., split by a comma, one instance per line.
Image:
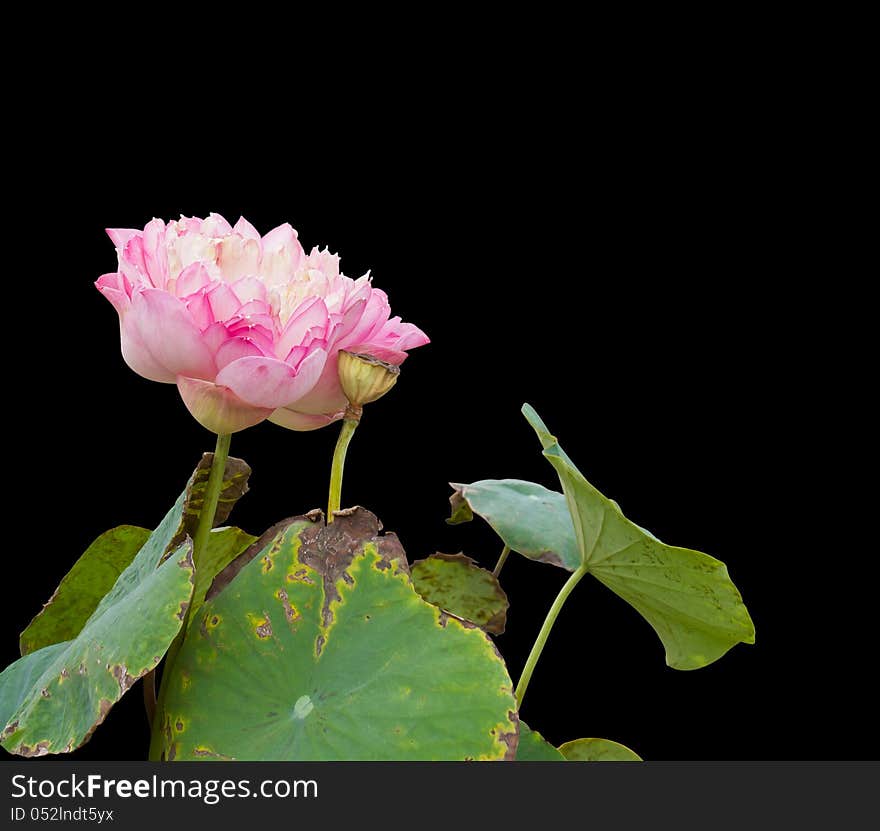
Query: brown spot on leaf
x=120, y=673
x=207, y=752
x=181, y=613
x=264, y=630
x=172, y=752
x=511, y=739
x=186, y=561
x=290, y=612
x=330, y=549
x=319, y=644
x=552, y=558
x=391, y=550
x=65, y=673
x=301, y=575
x=45, y=693
x=9, y=730
x=39, y=749
x=497, y=623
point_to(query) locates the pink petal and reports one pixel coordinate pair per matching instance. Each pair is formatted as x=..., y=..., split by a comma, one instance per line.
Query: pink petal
x=310, y=314
x=193, y=224
x=293, y=420
x=250, y=288
x=268, y=382
x=155, y=256
x=224, y=302
x=350, y=319
x=260, y=335
x=214, y=336
x=138, y=356
x=216, y=226
x=111, y=286
x=279, y=237
x=326, y=396
x=410, y=337
x=191, y=279
x=217, y=408
x=245, y=229
x=235, y=348
x=282, y=255
x=131, y=261
x=161, y=324
x=199, y=309
x=324, y=261
x=374, y=317
x=120, y=236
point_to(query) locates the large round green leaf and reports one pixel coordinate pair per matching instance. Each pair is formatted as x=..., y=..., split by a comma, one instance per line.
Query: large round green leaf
x=313, y=645
x=529, y=518
x=597, y=750
x=686, y=596
x=82, y=588
x=457, y=584
x=53, y=698
x=533, y=747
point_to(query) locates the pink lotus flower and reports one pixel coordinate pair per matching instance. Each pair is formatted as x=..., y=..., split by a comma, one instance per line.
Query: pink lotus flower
x=249, y=328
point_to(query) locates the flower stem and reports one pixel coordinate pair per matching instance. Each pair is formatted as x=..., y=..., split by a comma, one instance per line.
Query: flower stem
x=502, y=559
x=212, y=496
x=203, y=529
x=538, y=647
x=349, y=424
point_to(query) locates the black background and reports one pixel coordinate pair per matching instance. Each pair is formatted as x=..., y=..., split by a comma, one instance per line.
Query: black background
x=633, y=282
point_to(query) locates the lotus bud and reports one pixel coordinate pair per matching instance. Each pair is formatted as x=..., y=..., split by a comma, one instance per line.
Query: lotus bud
x=364, y=378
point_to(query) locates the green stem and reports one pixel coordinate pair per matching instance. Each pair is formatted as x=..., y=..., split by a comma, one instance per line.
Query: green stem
x=348, y=427
x=200, y=540
x=502, y=559
x=529, y=668
x=212, y=496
